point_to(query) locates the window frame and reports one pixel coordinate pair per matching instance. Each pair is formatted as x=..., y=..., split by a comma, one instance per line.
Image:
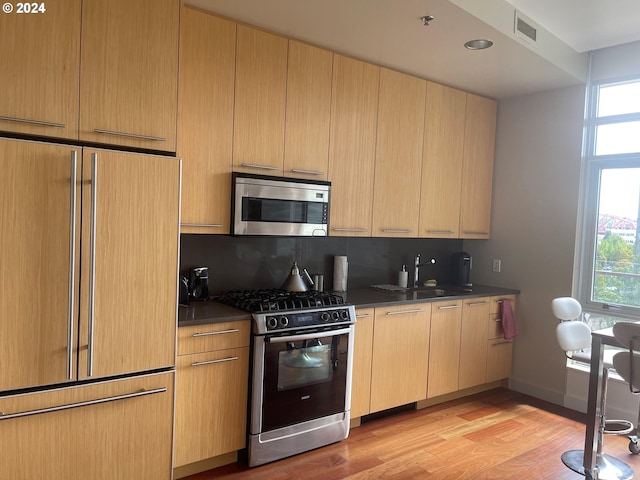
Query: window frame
x=594, y=165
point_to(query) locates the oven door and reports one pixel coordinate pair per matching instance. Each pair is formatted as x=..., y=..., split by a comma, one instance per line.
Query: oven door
x=300, y=376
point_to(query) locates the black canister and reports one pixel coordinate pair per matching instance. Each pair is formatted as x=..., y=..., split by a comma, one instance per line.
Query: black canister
x=199, y=283
x=461, y=269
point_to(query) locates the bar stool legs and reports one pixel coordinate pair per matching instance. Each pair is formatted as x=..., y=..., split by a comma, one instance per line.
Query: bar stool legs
x=608, y=467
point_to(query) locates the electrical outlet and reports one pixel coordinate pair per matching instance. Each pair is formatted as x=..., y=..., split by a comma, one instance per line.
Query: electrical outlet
x=497, y=265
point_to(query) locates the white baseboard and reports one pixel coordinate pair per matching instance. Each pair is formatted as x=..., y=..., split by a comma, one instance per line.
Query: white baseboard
x=537, y=392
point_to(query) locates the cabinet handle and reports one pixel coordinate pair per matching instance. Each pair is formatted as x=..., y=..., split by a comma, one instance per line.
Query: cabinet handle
x=500, y=344
x=254, y=165
x=228, y=359
x=72, y=262
x=92, y=261
x=364, y=315
x=350, y=230
x=308, y=172
x=141, y=393
x=477, y=304
x=214, y=225
x=391, y=230
x=400, y=312
x=447, y=307
x=215, y=333
x=441, y=232
x=34, y=122
x=132, y=135
x=475, y=233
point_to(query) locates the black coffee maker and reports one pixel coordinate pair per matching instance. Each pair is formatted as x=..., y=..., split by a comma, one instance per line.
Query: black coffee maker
x=461, y=269
x=199, y=283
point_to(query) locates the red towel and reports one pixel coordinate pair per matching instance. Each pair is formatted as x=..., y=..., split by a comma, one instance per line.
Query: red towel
x=509, y=325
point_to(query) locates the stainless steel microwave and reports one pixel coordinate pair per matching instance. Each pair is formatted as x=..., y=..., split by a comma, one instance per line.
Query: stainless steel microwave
x=267, y=205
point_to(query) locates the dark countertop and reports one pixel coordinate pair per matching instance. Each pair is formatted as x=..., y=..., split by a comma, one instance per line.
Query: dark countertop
x=210, y=311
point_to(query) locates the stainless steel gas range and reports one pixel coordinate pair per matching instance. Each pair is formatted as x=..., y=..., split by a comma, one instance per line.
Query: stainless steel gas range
x=302, y=347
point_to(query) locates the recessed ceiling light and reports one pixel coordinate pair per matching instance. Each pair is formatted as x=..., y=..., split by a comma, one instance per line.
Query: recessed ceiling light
x=479, y=44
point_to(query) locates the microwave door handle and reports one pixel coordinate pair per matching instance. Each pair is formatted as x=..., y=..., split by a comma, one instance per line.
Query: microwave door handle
x=307, y=336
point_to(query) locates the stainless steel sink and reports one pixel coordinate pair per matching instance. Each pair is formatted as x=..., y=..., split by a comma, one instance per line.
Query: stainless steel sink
x=423, y=292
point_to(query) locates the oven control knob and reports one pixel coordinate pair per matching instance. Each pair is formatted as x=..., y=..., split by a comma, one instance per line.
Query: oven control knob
x=335, y=315
x=325, y=317
x=272, y=322
x=344, y=314
x=283, y=321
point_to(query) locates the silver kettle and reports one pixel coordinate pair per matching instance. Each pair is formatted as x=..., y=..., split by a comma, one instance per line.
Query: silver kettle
x=295, y=283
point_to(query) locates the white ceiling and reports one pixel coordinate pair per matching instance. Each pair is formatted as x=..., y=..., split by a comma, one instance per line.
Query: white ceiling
x=390, y=33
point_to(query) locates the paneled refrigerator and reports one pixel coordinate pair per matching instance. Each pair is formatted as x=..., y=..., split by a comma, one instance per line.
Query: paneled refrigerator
x=88, y=268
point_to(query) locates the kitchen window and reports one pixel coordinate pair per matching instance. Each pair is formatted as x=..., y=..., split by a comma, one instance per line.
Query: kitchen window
x=610, y=265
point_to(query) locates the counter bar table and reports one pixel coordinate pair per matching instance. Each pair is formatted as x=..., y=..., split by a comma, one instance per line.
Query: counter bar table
x=599, y=338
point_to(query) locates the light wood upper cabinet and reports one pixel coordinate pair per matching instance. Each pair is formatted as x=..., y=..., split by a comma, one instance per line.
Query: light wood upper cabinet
x=129, y=73
x=398, y=168
x=205, y=120
x=354, y=106
x=473, y=342
x=40, y=55
x=362, y=355
x=306, y=149
x=136, y=251
x=124, y=432
x=400, y=355
x=260, y=96
x=444, y=349
x=442, y=162
x=477, y=171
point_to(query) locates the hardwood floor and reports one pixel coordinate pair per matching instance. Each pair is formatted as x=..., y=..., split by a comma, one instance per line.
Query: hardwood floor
x=499, y=434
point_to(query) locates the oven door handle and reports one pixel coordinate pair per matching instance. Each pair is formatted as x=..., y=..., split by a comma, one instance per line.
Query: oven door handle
x=307, y=336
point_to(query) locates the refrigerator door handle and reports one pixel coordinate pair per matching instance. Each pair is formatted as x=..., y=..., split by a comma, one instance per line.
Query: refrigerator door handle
x=57, y=408
x=72, y=263
x=92, y=261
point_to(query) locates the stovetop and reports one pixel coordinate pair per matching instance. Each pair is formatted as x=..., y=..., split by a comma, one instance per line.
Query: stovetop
x=274, y=300
x=279, y=311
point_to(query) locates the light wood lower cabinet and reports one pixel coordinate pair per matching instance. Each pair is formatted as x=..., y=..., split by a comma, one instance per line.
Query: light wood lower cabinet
x=124, y=431
x=400, y=355
x=473, y=343
x=499, y=350
x=410, y=353
x=444, y=349
x=362, y=353
x=211, y=391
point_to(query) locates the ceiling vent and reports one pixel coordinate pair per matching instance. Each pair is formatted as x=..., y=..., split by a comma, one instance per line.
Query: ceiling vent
x=525, y=28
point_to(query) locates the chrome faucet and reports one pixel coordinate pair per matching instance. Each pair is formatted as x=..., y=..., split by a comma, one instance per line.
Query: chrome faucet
x=417, y=268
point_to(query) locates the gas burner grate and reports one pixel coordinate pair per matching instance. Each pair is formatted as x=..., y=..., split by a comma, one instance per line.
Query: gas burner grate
x=273, y=300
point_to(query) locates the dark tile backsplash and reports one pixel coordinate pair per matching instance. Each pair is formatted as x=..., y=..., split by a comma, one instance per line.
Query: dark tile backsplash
x=264, y=262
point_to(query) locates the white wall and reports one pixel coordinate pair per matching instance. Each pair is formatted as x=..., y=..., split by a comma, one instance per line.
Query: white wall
x=533, y=226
